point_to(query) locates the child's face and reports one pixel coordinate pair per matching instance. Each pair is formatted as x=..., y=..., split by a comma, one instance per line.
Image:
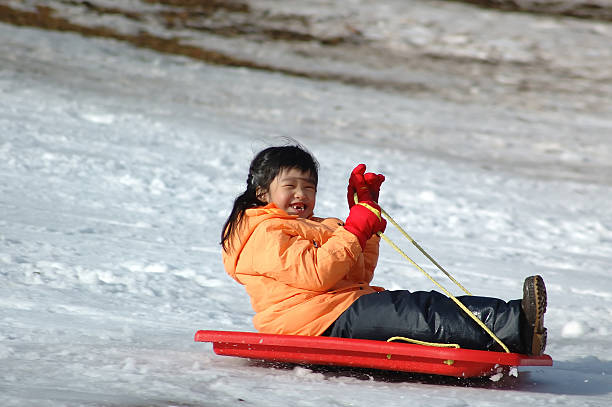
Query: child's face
x=293, y=191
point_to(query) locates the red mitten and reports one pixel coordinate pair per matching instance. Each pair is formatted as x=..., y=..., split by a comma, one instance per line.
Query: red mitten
x=364, y=220
x=357, y=185
x=373, y=182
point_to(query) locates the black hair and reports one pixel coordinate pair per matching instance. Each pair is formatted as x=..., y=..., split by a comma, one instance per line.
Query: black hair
x=266, y=165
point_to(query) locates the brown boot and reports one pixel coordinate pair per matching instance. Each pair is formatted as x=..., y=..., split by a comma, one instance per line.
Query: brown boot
x=534, y=307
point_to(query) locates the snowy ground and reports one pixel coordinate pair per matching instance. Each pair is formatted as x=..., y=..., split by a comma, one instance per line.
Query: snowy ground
x=118, y=166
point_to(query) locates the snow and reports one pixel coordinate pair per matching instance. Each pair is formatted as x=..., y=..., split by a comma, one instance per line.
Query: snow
x=118, y=167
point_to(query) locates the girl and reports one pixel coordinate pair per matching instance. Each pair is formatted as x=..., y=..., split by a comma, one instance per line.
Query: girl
x=311, y=276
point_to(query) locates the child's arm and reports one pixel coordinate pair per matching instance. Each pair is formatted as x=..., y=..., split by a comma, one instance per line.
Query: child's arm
x=370, y=256
x=291, y=259
x=366, y=186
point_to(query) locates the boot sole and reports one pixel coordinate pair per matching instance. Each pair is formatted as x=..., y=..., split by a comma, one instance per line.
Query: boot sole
x=534, y=291
x=539, y=342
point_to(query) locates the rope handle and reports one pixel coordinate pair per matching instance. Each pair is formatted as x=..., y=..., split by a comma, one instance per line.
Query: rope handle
x=452, y=297
x=416, y=341
x=407, y=236
x=371, y=208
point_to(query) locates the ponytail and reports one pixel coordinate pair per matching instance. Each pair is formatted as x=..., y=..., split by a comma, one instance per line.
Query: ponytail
x=248, y=199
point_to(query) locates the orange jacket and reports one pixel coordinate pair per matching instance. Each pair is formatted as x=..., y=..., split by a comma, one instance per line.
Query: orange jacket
x=301, y=274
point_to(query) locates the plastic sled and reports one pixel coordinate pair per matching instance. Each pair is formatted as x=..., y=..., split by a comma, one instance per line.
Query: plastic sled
x=362, y=353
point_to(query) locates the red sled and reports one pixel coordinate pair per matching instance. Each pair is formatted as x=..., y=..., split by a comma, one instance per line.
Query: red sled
x=363, y=353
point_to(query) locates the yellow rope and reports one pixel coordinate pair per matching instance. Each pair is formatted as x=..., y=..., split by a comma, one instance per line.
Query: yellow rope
x=371, y=208
x=438, y=345
x=452, y=297
x=407, y=236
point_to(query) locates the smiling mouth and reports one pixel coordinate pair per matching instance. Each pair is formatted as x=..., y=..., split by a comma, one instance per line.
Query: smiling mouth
x=298, y=207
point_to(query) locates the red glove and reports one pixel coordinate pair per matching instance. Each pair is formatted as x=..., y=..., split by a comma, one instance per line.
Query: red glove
x=374, y=181
x=364, y=220
x=356, y=183
x=361, y=182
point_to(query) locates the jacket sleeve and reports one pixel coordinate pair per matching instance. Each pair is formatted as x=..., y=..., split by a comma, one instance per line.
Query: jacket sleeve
x=289, y=258
x=370, y=256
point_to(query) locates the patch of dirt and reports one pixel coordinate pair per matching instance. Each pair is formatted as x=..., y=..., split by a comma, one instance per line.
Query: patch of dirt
x=590, y=10
x=45, y=17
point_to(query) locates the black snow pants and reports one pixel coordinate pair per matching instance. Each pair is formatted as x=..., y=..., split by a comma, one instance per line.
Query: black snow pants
x=433, y=317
